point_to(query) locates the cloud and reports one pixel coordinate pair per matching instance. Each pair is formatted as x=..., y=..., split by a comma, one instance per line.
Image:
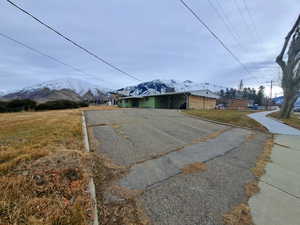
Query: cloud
x=149, y=39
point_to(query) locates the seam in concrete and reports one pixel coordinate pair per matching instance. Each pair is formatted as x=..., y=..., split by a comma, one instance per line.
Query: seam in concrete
x=98, y=125
x=279, y=189
x=180, y=148
x=149, y=187
x=91, y=186
x=285, y=146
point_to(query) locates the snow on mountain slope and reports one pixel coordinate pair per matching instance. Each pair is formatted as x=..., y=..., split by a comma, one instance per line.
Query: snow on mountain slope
x=162, y=86
x=76, y=85
x=2, y=92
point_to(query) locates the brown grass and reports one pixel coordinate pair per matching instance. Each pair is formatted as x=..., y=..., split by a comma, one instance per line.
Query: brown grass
x=234, y=117
x=194, y=168
x=263, y=159
x=293, y=121
x=43, y=170
x=240, y=215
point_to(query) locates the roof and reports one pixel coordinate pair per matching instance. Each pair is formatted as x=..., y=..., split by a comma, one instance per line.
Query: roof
x=205, y=93
x=200, y=93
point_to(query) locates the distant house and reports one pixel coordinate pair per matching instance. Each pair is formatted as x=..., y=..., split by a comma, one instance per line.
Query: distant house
x=201, y=99
x=238, y=104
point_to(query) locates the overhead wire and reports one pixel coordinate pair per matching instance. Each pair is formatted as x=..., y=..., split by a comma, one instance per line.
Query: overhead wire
x=74, y=43
x=226, y=23
x=44, y=54
x=215, y=36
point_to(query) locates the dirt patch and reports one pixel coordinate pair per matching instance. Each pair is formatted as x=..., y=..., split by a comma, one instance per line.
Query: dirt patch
x=194, y=168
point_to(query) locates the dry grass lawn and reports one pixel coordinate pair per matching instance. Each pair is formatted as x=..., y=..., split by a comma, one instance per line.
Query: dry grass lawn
x=234, y=117
x=293, y=121
x=44, y=171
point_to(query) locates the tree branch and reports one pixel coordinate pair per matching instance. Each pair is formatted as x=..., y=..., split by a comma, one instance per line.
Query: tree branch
x=279, y=58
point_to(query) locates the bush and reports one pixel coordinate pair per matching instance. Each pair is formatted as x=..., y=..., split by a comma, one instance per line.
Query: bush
x=83, y=104
x=3, y=107
x=17, y=105
x=58, y=104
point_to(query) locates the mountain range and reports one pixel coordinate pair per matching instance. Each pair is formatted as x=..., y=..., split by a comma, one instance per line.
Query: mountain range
x=76, y=90
x=162, y=86
x=70, y=89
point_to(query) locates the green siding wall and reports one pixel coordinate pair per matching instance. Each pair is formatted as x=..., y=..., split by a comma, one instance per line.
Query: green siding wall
x=170, y=101
x=163, y=102
x=147, y=102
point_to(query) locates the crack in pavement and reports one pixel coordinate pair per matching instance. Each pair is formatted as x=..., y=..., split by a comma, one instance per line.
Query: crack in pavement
x=155, y=171
x=180, y=148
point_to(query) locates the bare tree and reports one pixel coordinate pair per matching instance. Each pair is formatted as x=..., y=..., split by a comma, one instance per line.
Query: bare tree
x=290, y=69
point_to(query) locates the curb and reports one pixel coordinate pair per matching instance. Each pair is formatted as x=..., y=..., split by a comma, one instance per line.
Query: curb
x=91, y=186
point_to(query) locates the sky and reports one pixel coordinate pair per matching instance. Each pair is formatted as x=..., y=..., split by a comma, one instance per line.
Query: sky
x=148, y=39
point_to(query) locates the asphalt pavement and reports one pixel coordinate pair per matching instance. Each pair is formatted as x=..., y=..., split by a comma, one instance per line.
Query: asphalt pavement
x=155, y=145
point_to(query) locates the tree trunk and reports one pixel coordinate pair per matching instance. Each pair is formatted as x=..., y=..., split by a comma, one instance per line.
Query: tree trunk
x=290, y=98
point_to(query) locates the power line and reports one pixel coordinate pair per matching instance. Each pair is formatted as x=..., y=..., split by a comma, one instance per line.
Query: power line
x=43, y=54
x=73, y=42
x=242, y=15
x=225, y=22
x=251, y=19
x=214, y=35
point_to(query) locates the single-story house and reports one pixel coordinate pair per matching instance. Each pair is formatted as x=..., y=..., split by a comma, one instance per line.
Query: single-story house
x=201, y=99
x=239, y=104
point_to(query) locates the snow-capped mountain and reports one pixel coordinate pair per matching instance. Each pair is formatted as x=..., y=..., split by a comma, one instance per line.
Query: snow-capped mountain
x=2, y=92
x=162, y=86
x=78, y=86
x=71, y=89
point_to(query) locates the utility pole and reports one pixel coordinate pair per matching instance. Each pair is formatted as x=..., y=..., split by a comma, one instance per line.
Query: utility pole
x=269, y=103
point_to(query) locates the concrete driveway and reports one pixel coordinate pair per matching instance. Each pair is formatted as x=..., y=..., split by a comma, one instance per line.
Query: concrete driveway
x=158, y=145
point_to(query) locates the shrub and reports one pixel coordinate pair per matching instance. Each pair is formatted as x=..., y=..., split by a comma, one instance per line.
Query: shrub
x=83, y=104
x=58, y=104
x=3, y=107
x=17, y=105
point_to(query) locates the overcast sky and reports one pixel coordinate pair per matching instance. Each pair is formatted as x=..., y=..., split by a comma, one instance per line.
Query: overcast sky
x=150, y=39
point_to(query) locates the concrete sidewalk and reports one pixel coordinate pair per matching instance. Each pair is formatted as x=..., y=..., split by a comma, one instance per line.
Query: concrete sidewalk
x=274, y=126
x=278, y=202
